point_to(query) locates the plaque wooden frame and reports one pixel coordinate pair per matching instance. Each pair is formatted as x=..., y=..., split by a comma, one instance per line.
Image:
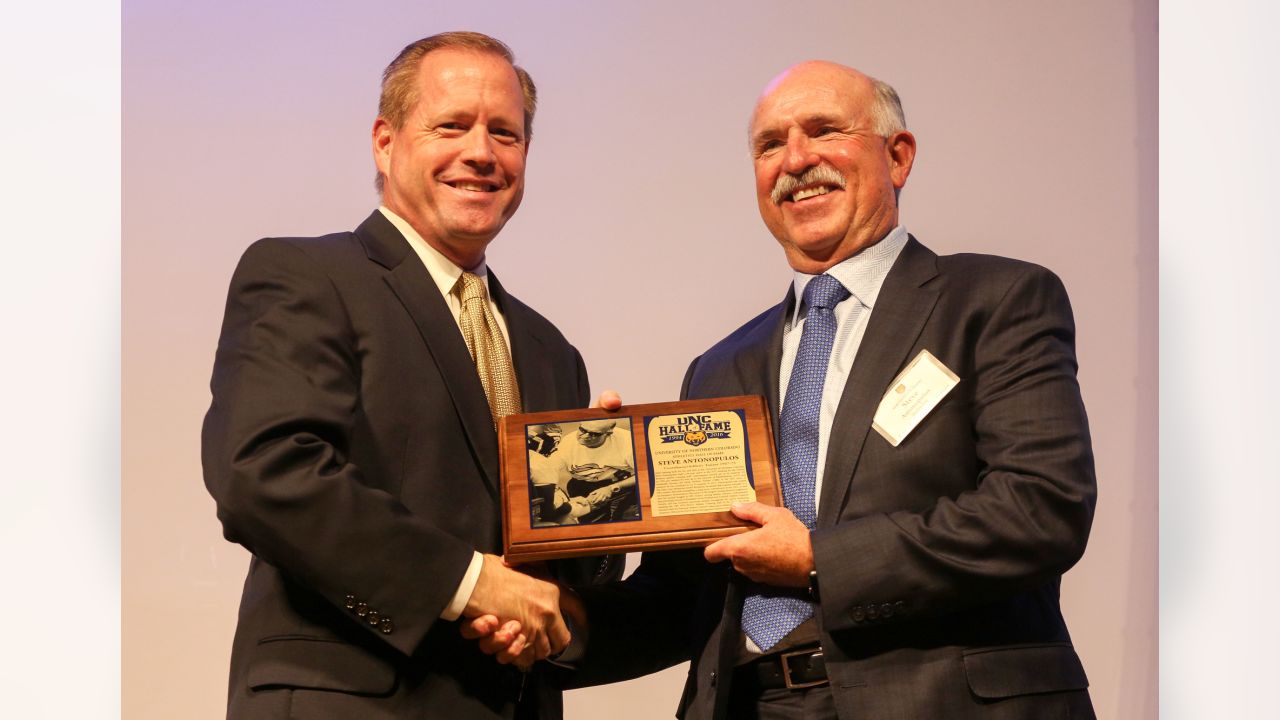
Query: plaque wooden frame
x=523, y=542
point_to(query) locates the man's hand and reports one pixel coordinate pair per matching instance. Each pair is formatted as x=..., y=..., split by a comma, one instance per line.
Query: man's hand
x=778, y=553
x=599, y=496
x=606, y=493
x=503, y=640
x=508, y=644
x=608, y=400
x=503, y=595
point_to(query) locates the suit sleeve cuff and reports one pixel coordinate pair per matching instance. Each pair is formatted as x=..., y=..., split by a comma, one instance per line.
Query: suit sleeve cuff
x=465, y=588
x=575, y=650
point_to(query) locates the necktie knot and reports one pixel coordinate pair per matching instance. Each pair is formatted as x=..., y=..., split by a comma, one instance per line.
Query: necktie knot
x=824, y=291
x=469, y=287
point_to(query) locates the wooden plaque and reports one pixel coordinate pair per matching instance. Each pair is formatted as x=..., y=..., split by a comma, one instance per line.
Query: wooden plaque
x=645, y=477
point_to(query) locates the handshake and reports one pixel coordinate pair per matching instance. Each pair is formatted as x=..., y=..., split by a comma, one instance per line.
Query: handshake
x=518, y=616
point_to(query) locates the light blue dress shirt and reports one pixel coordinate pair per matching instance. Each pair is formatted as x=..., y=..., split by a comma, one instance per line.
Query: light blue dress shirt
x=863, y=275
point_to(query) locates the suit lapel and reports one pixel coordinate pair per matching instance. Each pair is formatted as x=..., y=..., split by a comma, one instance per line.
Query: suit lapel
x=421, y=298
x=900, y=313
x=758, y=358
x=537, y=382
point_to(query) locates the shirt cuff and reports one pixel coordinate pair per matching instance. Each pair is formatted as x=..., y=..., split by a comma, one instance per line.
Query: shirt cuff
x=465, y=588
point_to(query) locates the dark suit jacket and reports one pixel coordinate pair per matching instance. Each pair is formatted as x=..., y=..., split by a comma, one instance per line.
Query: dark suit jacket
x=349, y=447
x=939, y=560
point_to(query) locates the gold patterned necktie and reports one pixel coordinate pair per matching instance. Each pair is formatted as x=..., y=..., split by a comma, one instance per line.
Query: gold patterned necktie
x=487, y=347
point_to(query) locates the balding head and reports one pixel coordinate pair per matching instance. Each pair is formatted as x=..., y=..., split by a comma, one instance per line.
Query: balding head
x=885, y=105
x=831, y=153
x=593, y=433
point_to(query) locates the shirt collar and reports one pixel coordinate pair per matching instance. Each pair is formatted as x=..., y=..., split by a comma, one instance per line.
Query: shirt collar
x=863, y=273
x=442, y=270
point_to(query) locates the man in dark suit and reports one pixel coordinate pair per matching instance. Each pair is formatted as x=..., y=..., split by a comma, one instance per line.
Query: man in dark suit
x=914, y=571
x=351, y=443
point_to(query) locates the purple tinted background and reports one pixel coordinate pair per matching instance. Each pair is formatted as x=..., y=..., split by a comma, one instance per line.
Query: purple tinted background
x=1036, y=126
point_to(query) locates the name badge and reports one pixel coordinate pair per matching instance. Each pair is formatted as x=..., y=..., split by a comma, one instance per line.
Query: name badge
x=912, y=395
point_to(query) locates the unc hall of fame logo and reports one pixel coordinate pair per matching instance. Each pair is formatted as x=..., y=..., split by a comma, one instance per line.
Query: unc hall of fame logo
x=695, y=430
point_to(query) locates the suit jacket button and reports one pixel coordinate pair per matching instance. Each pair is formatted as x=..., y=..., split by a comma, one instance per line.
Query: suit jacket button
x=386, y=627
x=714, y=677
x=873, y=612
x=362, y=609
x=351, y=602
x=372, y=617
x=886, y=611
x=900, y=608
x=858, y=614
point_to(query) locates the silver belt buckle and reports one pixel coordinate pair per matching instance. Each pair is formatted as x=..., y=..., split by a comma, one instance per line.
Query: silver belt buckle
x=786, y=670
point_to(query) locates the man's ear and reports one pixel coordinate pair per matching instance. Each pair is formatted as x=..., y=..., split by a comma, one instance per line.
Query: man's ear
x=901, y=148
x=382, y=137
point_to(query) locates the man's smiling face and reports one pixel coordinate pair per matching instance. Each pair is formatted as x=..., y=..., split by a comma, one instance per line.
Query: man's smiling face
x=455, y=170
x=825, y=179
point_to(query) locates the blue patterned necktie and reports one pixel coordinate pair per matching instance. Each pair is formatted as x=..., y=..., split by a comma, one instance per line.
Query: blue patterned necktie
x=769, y=613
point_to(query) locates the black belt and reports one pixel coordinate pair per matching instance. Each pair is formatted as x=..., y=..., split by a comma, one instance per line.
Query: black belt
x=794, y=670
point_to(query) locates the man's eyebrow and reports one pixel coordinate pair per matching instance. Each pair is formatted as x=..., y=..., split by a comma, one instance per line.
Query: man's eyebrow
x=767, y=134
x=805, y=121
x=820, y=119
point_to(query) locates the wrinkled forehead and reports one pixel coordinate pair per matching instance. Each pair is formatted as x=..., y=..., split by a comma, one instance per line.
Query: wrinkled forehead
x=813, y=91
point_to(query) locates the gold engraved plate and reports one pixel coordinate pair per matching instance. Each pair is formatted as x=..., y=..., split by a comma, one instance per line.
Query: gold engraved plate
x=912, y=395
x=699, y=462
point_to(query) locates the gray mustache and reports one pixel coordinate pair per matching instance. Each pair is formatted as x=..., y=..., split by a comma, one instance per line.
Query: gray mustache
x=816, y=175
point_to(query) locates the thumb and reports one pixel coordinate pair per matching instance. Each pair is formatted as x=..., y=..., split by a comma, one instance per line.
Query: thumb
x=755, y=512
x=609, y=400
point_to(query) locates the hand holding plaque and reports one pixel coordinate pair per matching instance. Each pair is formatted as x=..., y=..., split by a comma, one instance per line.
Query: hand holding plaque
x=658, y=476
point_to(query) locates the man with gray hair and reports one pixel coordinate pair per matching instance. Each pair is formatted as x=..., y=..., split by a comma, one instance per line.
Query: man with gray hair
x=351, y=444
x=601, y=468
x=934, y=456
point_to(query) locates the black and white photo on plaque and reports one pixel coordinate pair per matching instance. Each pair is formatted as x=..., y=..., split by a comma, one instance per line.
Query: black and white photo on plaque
x=582, y=473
